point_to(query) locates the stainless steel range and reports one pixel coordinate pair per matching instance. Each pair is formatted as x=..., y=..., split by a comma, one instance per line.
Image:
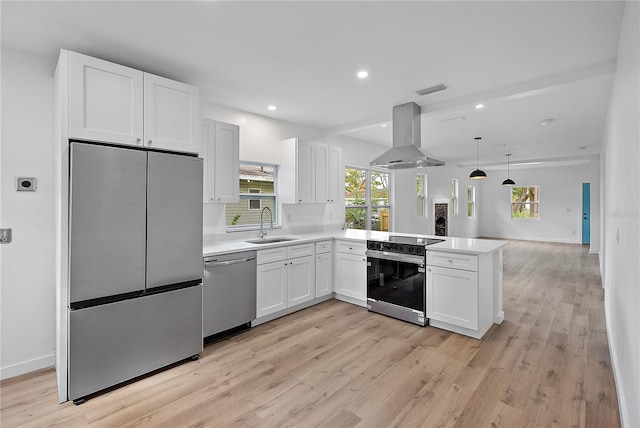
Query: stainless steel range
x=396, y=281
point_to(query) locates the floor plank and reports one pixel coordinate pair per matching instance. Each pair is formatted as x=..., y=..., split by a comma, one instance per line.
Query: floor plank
x=338, y=365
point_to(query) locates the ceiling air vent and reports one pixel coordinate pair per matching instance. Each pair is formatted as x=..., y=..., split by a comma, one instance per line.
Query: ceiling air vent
x=431, y=90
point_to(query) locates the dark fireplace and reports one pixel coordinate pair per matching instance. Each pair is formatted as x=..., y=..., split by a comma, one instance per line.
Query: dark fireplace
x=441, y=216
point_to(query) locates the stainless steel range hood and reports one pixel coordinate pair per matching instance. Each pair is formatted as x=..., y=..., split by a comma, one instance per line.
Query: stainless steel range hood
x=406, y=151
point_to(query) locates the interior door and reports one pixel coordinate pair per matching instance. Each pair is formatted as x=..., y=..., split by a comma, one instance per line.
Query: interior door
x=107, y=221
x=174, y=219
x=586, y=213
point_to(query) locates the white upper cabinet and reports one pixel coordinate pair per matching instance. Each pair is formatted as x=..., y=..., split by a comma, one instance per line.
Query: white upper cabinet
x=310, y=172
x=105, y=101
x=116, y=104
x=297, y=172
x=171, y=114
x=221, y=153
x=322, y=155
x=327, y=173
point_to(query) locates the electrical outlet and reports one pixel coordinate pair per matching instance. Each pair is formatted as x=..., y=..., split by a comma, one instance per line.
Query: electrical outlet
x=26, y=184
x=5, y=236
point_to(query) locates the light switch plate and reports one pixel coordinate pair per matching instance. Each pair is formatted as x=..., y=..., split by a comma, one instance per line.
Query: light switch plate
x=26, y=184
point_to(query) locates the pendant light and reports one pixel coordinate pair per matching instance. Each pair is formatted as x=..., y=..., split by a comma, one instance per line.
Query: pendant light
x=508, y=181
x=478, y=173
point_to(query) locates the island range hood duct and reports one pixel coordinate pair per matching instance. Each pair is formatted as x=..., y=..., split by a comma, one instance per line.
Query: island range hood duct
x=406, y=151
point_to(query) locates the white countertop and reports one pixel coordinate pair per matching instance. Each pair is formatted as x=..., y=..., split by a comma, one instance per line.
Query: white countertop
x=451, y=244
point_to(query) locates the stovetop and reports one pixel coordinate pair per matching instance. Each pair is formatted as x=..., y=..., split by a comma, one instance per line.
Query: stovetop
x=412, y=240
x=403, y=244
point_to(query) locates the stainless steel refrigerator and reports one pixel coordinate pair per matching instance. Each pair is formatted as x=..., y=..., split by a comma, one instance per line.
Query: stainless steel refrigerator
x=135, y=251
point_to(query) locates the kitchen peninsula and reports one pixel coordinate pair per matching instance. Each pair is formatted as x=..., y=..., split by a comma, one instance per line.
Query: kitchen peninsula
x=463, y=275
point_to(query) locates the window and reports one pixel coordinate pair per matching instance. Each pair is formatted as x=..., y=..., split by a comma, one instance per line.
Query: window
x=257, y=191
x=366, y=195
x=454, y=196
x=525, y=202
x=471, y=201
x=421, y=195
x=254, y=204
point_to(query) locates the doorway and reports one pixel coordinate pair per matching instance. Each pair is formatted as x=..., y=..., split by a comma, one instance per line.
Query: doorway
x=586, y=213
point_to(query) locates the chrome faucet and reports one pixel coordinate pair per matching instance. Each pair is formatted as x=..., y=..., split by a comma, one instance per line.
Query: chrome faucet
x=263, y=232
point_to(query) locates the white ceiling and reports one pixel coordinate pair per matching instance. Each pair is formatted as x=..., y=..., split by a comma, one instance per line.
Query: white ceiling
x=526, y=61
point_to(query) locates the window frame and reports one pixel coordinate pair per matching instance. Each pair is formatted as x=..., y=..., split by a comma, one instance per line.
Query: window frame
x=249, y=196
x=421, y=197
x=455, y=197
x=471, y=201
x=536, y=202
x=368, y=206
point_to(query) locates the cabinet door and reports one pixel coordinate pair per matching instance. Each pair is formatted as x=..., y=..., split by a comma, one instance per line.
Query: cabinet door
x=335, y=183
x=322, y=158
x=271, y=288
x=171, y=115
x=351, y=275
x=105, y=101
x=300, y=280
x=324, y=274
x=452, y=296
x=305, y=173
x=221, y=153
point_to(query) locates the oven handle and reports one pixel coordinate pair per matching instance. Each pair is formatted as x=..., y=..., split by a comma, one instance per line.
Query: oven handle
x=395, y=257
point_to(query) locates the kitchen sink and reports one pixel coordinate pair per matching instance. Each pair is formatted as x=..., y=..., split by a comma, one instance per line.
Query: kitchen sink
x=269, y=240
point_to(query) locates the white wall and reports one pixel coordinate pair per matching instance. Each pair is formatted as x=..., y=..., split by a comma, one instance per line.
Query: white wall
x=621, y=222
x=560, y=217
x=438, y=188
x=27, y=264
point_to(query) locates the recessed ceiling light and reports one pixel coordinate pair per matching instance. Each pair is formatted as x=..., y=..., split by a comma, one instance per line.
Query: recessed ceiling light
x=362, y=74
x=479, y=106
x=546, y=122
x=384, y=125
x=271, y=108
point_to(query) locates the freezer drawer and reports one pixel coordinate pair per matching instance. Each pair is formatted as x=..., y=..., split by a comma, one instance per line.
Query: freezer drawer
x=113, y=343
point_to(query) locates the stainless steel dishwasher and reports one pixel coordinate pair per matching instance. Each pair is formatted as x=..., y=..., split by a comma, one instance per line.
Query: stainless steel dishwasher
x=229, y=292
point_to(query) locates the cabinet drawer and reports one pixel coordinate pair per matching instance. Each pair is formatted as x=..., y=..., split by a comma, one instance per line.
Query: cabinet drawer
x=271, y=255
x=351, y=247
x=452, y=260
x=301, y=250
x=323, y=247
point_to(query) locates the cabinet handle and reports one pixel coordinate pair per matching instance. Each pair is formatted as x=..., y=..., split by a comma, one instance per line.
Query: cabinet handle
x=150, y=142
x=138, y=140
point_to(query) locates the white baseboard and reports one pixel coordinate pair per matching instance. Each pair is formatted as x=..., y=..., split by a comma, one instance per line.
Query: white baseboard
x=27, y=366
x=618, y=378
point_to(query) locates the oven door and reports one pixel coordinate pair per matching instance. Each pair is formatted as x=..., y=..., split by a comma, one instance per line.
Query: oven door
x=396, y=278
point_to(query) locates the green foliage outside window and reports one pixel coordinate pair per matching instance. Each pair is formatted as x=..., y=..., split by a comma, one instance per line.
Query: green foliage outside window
x=525, y=202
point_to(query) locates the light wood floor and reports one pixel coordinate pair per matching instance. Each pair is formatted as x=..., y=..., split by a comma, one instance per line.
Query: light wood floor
x=337, y=365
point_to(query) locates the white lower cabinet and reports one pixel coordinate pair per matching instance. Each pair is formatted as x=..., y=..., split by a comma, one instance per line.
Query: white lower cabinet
x=460, y=291
x=271, y=288
x=300, y=280
x=324, y=268
x=286, y=282
x=452, y=296
x=351, y=271
x=324, y=274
